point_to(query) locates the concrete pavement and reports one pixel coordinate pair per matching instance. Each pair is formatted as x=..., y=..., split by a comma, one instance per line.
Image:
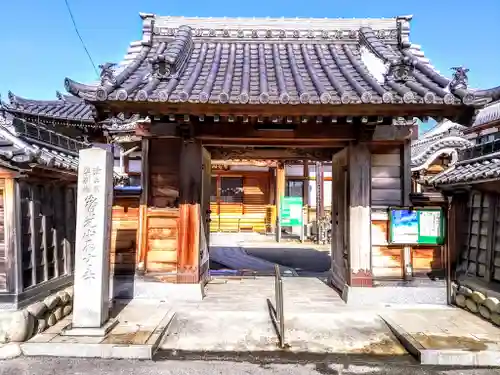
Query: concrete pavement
x=446, y=337
x=341, y=366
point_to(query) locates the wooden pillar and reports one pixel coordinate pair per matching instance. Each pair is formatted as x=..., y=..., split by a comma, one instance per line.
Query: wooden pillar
x=359, y=166
x=280, y=193
x=142, y=228
x=272, y=197
x=406, y=172
x=405, y=199
x=339, y=219
x=306, y=188
x=320, y=208
x=190, y=186
x=12, y=237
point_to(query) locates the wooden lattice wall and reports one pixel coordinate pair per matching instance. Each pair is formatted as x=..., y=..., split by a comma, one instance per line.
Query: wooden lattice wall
x=480, y=254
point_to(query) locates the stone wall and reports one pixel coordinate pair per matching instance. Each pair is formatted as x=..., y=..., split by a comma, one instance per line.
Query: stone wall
x=477, y=301
x=21, y=325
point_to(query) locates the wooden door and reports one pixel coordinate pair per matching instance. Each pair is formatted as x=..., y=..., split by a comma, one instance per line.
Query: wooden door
x=206, y=190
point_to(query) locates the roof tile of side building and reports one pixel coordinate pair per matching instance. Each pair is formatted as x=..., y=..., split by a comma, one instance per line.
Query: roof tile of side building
x=446, y=138
x=488, y=114
x=476, y=170
x=66, y=110
x=23, y=144
x=277, y=61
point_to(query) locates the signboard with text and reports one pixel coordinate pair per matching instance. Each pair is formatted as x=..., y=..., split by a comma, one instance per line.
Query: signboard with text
x=291, y=211
x=418, y=226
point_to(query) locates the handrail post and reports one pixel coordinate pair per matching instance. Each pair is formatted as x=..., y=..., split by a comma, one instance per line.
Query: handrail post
x=281, y=314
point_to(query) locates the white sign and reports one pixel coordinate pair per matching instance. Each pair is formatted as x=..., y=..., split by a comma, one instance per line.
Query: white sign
x=93, y=226
x=430, y=224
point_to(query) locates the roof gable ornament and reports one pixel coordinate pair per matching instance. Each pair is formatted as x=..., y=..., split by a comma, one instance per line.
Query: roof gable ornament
x=170, y=63
x=401, y=70
x=107, y=75
x=460, y=79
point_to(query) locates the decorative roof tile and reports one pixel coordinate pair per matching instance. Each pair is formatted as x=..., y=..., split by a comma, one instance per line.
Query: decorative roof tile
x=277, y=61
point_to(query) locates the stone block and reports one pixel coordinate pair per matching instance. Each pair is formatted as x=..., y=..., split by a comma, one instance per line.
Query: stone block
x=493, y=304
x=465, y=291
x=37, y=309
x=21, y=326
x=471, y=305
x=67, y=310
x=58, y=313
x=52, y=301
x=478, y=297
x=10, y=350
x=65, y=297
x=460, y=300
x=484, y=312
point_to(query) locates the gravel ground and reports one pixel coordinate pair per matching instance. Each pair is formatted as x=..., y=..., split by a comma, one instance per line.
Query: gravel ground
x=46, y=366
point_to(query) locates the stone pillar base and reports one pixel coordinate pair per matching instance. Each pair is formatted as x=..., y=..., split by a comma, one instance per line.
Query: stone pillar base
x=90, y=331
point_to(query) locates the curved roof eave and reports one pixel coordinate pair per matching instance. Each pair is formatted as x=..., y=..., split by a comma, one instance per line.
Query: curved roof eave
x=187, y=47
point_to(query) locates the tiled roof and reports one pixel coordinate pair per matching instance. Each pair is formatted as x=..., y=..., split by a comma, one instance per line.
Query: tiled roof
x=446, y=138
x=476, y=164
x=488, y=114
x=23, y=143
x=66, y=110
x=470, y=171
x=277, y=61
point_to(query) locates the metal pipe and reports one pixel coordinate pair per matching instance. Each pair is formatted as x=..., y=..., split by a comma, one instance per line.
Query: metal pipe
x=122, y=157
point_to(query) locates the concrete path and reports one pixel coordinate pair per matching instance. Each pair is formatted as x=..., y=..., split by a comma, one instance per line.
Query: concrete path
x=446, y=337
x=141, y=326
x=234, y=317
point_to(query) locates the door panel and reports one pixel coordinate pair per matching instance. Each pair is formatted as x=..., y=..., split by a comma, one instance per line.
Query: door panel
x=206, y=192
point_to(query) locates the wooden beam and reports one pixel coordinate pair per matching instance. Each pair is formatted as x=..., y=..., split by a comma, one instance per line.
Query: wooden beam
x=360, y=215
x=142, y=229
x=406, y=172
x=306, y=183
x=339, y=219
x=208, y=109
x=311, y=130
x=9, y=228
x=280, y=193
x=392, y=133
x=33, y=234
x=266, y=154
x=189, y=221
x=69, y=217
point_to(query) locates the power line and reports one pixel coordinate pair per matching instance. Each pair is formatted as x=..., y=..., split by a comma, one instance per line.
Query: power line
x=80, y=37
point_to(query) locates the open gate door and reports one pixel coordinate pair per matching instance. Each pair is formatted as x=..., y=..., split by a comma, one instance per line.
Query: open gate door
x=206, y=180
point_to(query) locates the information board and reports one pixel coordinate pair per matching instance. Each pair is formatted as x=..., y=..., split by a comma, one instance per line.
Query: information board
x=291, y=211
x=418, y=226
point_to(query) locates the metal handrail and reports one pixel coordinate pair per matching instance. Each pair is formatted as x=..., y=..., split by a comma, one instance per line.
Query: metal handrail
x=277, y=313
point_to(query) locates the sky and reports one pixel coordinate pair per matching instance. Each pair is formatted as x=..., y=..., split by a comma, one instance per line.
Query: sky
x=39, y=46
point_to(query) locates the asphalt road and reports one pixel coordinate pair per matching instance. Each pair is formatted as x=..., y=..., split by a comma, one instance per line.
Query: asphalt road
x=46, y=366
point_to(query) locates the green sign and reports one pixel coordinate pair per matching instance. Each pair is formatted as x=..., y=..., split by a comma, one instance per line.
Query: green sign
x=418, y=226
x=291, y=211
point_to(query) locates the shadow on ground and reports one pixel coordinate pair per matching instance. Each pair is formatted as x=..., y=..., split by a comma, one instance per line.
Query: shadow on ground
x=301, y=259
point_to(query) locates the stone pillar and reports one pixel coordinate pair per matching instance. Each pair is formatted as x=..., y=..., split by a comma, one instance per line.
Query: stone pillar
x=93, y=229
x=359, y=157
